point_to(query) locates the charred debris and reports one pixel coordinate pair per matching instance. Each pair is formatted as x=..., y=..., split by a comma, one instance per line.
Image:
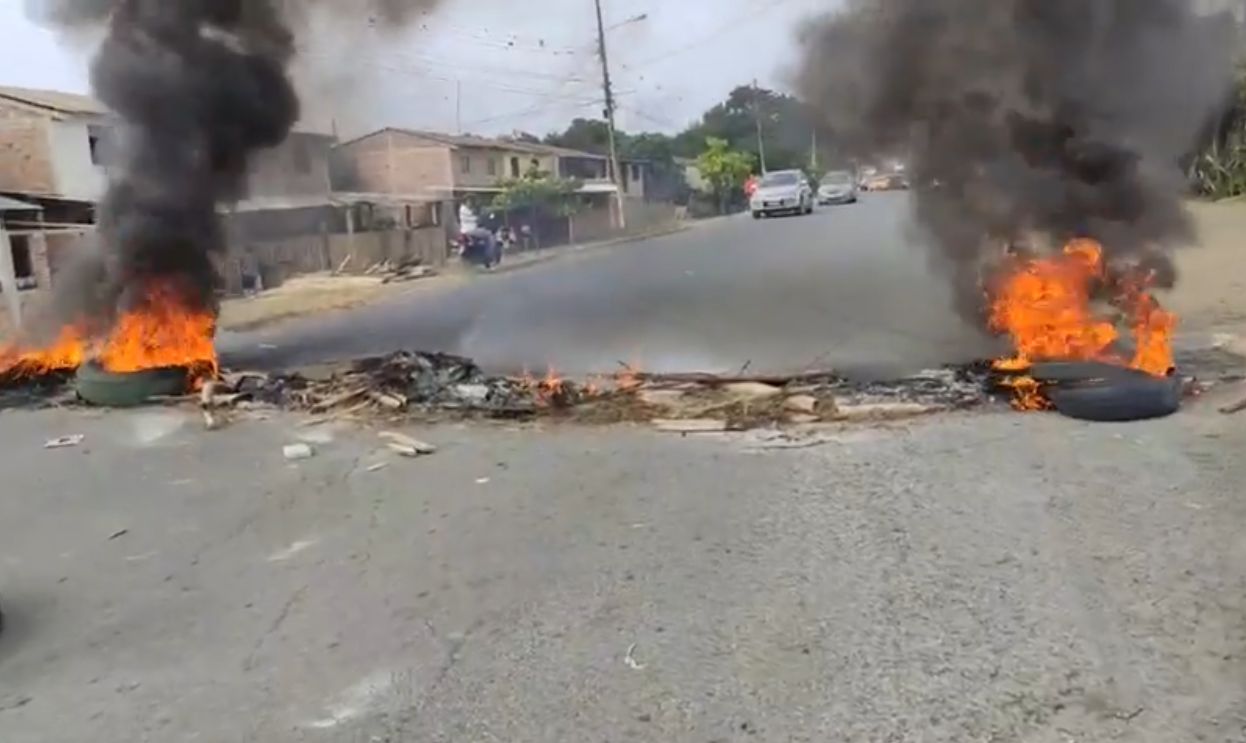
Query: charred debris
x=438, y=387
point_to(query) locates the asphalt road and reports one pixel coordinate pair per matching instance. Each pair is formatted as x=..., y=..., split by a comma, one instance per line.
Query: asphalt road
x=846, y=287
x=984, y=577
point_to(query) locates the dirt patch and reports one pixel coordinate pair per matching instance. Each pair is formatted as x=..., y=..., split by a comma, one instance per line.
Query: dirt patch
x=1211, y=292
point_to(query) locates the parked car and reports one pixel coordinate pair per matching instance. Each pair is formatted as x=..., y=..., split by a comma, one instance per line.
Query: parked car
x=838, y=187
x=782, y=192
x=887, y=183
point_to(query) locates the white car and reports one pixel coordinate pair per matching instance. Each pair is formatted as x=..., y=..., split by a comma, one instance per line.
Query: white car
x=782, y=192
x=838, y=187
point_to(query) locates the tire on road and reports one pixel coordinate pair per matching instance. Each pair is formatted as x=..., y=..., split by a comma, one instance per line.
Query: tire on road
x=1063, y=372
x=97, y=386
x=1119, y=399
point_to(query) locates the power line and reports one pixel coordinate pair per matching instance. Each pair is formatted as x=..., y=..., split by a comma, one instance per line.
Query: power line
x=425, y=74
x=524, y=112
x=735, y=24
x=651, y=118
x=422, y=60
x=509, y=41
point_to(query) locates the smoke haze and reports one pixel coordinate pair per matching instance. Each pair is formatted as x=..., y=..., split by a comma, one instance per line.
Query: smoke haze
x=199, y=86
x=1024, y=119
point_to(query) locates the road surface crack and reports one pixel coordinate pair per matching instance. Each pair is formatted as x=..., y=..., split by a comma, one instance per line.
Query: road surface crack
x=284, y=614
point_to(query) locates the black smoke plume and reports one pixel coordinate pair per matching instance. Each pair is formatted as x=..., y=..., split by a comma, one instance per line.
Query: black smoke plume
x=199, y=86
x=1025, y=121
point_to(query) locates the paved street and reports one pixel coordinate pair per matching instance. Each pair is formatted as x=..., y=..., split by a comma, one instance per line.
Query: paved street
x=988, y=577
x=985, y=576
x=846, y=288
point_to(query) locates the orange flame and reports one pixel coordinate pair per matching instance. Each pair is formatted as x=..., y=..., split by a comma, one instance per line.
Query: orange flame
x=1046, y=307
x=548, y=389
x=161, y=331
x=628, y=379
x=66, y=353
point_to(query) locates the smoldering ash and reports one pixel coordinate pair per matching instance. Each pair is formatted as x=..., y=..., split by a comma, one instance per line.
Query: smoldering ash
x=1025, y=120
x=199, y=87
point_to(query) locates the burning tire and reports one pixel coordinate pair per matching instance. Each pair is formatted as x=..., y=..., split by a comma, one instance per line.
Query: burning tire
x=97, y=386
x=1117, y=398
x=1082, y=372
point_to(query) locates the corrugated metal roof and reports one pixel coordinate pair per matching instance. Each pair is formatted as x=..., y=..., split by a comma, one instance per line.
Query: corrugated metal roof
x=55, y=100
x=13, y=205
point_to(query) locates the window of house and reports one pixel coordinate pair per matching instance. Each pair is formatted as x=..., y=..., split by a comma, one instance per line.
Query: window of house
x=421, y=215
x=514, y=167
x=23, y=262
x=302, y=155
x=95, y=138
x=635, y=172
x=493, y=166
x=465, y=164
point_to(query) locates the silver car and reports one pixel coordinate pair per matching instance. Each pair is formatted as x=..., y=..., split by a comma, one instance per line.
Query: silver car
x=838, y=187
x=782, y=192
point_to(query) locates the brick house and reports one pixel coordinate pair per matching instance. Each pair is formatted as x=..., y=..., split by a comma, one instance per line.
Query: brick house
x=428, y=164
x=422, y=165
x=53, y=155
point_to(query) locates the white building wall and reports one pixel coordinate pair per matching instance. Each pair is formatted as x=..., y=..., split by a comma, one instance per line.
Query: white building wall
x=77, y=177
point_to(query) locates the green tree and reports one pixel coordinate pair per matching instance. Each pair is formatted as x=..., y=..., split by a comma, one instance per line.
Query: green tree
x=724, y=169
x=587, y=135
x=787, y=127
x=536, y=191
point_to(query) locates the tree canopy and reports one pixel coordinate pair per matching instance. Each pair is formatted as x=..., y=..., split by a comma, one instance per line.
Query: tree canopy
x=724, y=168
x=787, y=132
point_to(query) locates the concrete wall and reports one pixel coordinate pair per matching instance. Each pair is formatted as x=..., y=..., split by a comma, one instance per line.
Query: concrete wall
x=366, y=249
x=596, y=223
x=297, y=167
x=643, y=216
x=26, y=156
x=393, y=163
x=279, y=260
x=76, y=175
x=63, y=248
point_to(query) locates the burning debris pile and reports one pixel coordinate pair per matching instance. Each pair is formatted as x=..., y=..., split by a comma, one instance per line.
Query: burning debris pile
x=408, y=382
x=1058, y=124
x=436, y=386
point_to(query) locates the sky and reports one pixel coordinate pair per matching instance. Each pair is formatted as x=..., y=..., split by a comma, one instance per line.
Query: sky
x=498, y=66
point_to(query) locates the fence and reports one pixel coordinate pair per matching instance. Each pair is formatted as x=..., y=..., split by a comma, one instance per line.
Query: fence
x=277, y=260
x=642, y=216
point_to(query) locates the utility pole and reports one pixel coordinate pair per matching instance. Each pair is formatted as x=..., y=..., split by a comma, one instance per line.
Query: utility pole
x=615, y=176
x=761, y=142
